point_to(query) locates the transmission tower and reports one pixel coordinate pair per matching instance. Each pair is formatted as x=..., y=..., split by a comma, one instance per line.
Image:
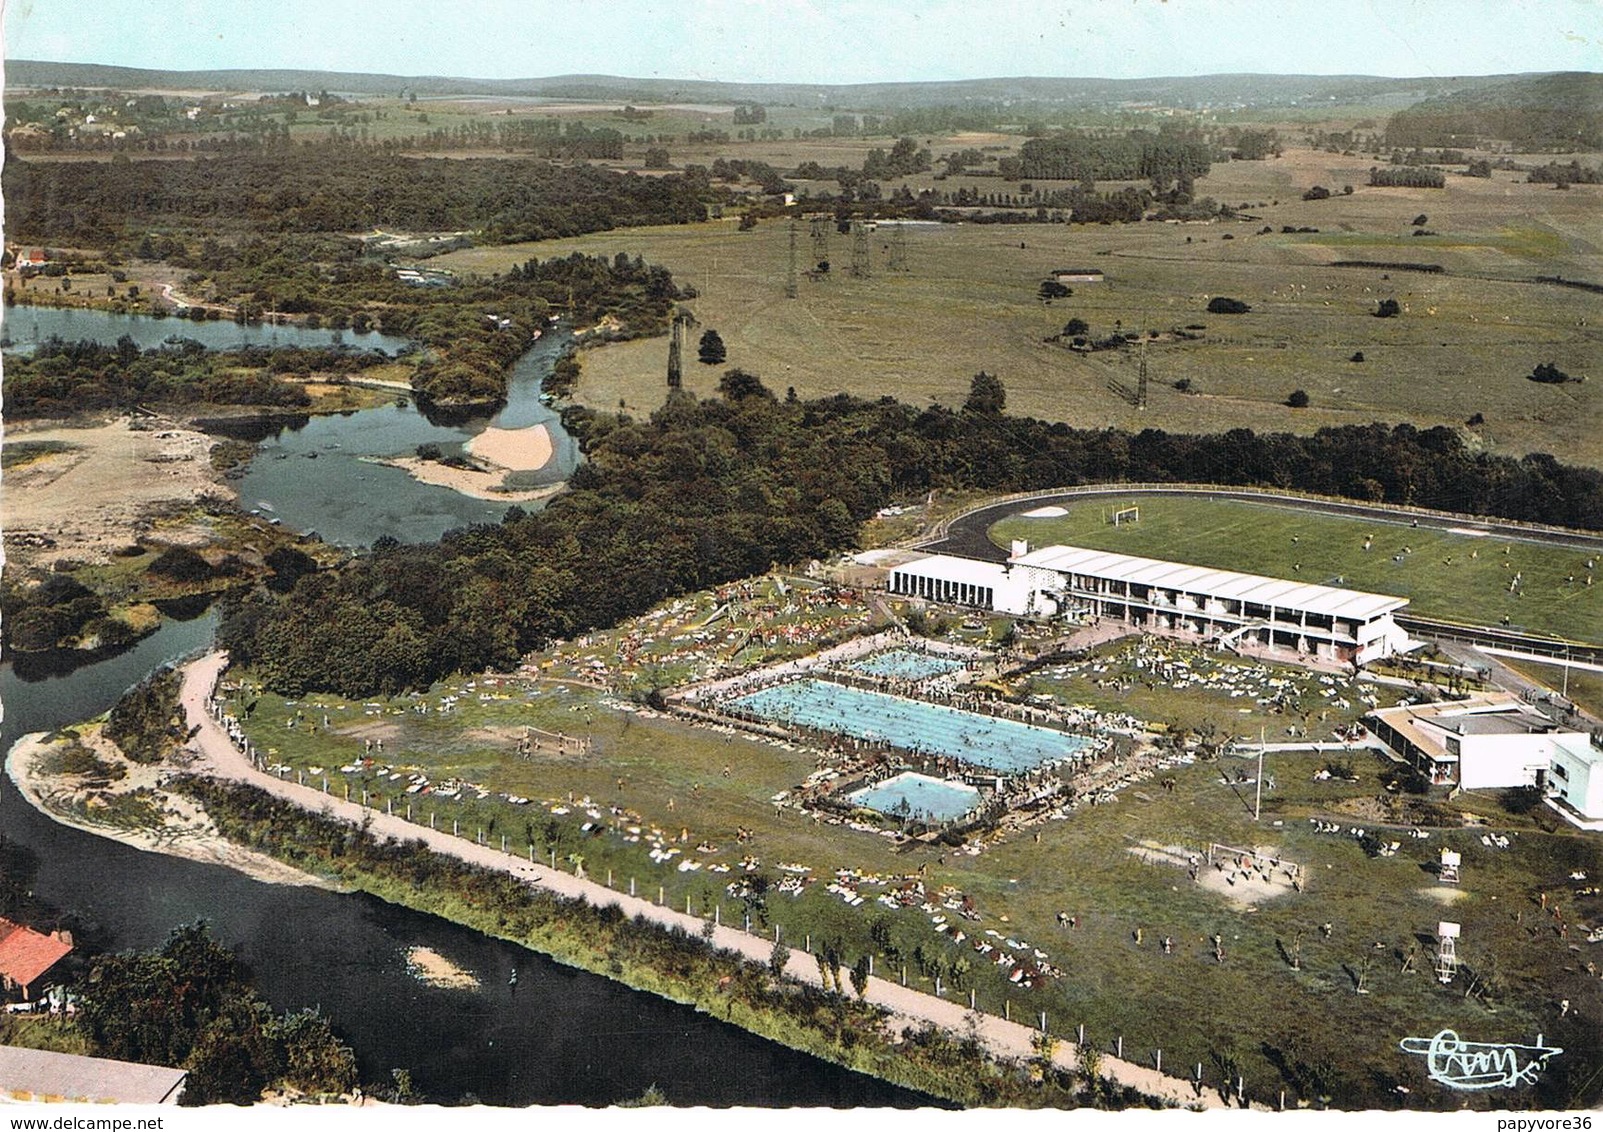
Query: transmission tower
x=860, y=261
x=820, y=229
x=676, y=375
x=899, y=248
x=790, y=271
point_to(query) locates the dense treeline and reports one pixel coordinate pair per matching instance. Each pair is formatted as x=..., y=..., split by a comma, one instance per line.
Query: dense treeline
x=1407, y=177
x=147, y=723
x=1138, y=155
x=61, y=378
x=1574, y=173
x=1560, y=112
x=335, y=189
x=190, y=1003
x=707, y=491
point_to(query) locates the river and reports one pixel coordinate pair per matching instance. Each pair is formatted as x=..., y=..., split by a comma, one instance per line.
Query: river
x=565, y=1037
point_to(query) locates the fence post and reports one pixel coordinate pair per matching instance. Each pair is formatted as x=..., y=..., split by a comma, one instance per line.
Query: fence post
x=1080, y=1035
x=971, y=998
x=1118, y=1046
x=1007, y=1009
x=1159, y=1065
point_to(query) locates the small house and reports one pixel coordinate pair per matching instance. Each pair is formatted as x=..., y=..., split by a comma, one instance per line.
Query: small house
x=25, y=956
x=1078, y=275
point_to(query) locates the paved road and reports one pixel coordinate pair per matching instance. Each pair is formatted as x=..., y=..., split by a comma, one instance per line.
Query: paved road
x=218, y=756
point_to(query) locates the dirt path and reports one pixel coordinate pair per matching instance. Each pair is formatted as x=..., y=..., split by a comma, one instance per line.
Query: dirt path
x=217, y=754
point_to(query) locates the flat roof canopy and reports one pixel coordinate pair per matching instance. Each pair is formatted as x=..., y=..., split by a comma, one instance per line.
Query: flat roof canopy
x=1328, y=600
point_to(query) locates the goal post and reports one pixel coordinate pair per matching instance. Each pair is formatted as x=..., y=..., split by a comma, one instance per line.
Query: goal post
x=1123, y=515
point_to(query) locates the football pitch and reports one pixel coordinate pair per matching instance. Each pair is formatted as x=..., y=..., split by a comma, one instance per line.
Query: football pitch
x=1464, y=577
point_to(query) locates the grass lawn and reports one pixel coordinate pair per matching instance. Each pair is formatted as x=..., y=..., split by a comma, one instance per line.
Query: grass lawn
x=1455, y=577
x=644, y=782
x=1462, y=346
x=1206, y=691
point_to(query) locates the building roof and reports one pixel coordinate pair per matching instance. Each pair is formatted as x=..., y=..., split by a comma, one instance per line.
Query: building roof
x=1428, y=725
x=26, y=954
x=1329, y=600
x=37, y=1074
x=950, y=568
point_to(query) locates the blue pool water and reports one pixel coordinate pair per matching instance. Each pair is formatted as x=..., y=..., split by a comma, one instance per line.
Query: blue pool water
x=1000, y=744
x=925, y=797
x=905, y=664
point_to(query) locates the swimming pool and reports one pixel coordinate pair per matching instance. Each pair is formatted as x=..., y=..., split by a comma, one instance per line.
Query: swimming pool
x=913, y=725
x=906, y=664
x=918, y=796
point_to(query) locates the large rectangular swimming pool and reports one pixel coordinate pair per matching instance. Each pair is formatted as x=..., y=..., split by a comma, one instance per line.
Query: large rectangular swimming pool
x=918, y=796
x=913, y=725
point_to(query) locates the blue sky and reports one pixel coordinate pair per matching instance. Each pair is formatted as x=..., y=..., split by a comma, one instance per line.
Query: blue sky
x=818, y=40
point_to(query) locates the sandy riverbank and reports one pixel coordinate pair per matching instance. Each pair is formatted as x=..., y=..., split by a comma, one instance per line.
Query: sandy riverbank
x=102, y=491
x=476, y=484
x=516, y=449
x=186, y=831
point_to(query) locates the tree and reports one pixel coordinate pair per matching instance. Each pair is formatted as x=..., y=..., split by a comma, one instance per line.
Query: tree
x=1052, y=289
x=1388, y=308
x=1221, y=305
x=1298, y=399
x=860, y=975
x=738, y=385
x=986, y=395
x=1318, y=192
x=712, y=351
x=778, y=956
x=1076, y=328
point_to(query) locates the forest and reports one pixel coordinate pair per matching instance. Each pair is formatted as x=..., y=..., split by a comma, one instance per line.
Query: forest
x=709, y=490
x=1164, y=158
x=335, y=188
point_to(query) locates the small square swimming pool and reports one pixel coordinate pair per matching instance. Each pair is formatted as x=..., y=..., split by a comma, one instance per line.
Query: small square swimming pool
x=918, y=796
x=906, y=664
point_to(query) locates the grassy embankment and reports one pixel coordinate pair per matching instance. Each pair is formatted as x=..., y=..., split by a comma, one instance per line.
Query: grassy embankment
x=1437, y=573
x=1463, y=345
x=1083, y=865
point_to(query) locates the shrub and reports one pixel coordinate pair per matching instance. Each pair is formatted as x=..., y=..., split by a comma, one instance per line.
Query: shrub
x=1318, y=192
x=1221, y=305
x=1298, y=399
x=1388, y=308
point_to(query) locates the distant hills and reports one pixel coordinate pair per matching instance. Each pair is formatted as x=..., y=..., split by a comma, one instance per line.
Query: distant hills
x=1216, y=91
x=1562, y=111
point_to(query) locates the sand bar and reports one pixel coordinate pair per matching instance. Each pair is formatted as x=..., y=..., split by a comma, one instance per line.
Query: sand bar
x=484, y=485
x=516, y=449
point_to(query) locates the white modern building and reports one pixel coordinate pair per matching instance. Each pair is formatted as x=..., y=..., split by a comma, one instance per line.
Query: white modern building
x=1005, y=587
x=1493, y=742
x=1245, y=610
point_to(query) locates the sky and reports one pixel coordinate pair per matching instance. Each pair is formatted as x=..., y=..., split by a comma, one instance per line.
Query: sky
x=822, y=41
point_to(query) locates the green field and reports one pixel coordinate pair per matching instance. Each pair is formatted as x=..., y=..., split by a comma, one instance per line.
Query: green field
x=1462, y=347
x=1450, y=576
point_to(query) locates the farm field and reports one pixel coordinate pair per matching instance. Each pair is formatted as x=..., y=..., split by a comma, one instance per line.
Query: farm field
x=693, y=789
x=1451, y=576
x=1462, y=346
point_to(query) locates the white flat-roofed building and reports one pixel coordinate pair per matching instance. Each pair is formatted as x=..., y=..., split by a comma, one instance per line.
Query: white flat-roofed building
x=1347, y=626
x=1005, y=587
x=1576, y=776
x=1491, y=742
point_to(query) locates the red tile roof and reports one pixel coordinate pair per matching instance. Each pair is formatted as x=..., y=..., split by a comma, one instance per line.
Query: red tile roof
x=26, y=954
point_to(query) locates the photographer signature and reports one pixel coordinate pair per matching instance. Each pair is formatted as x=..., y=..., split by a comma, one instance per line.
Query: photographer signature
x=1479, y=1065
